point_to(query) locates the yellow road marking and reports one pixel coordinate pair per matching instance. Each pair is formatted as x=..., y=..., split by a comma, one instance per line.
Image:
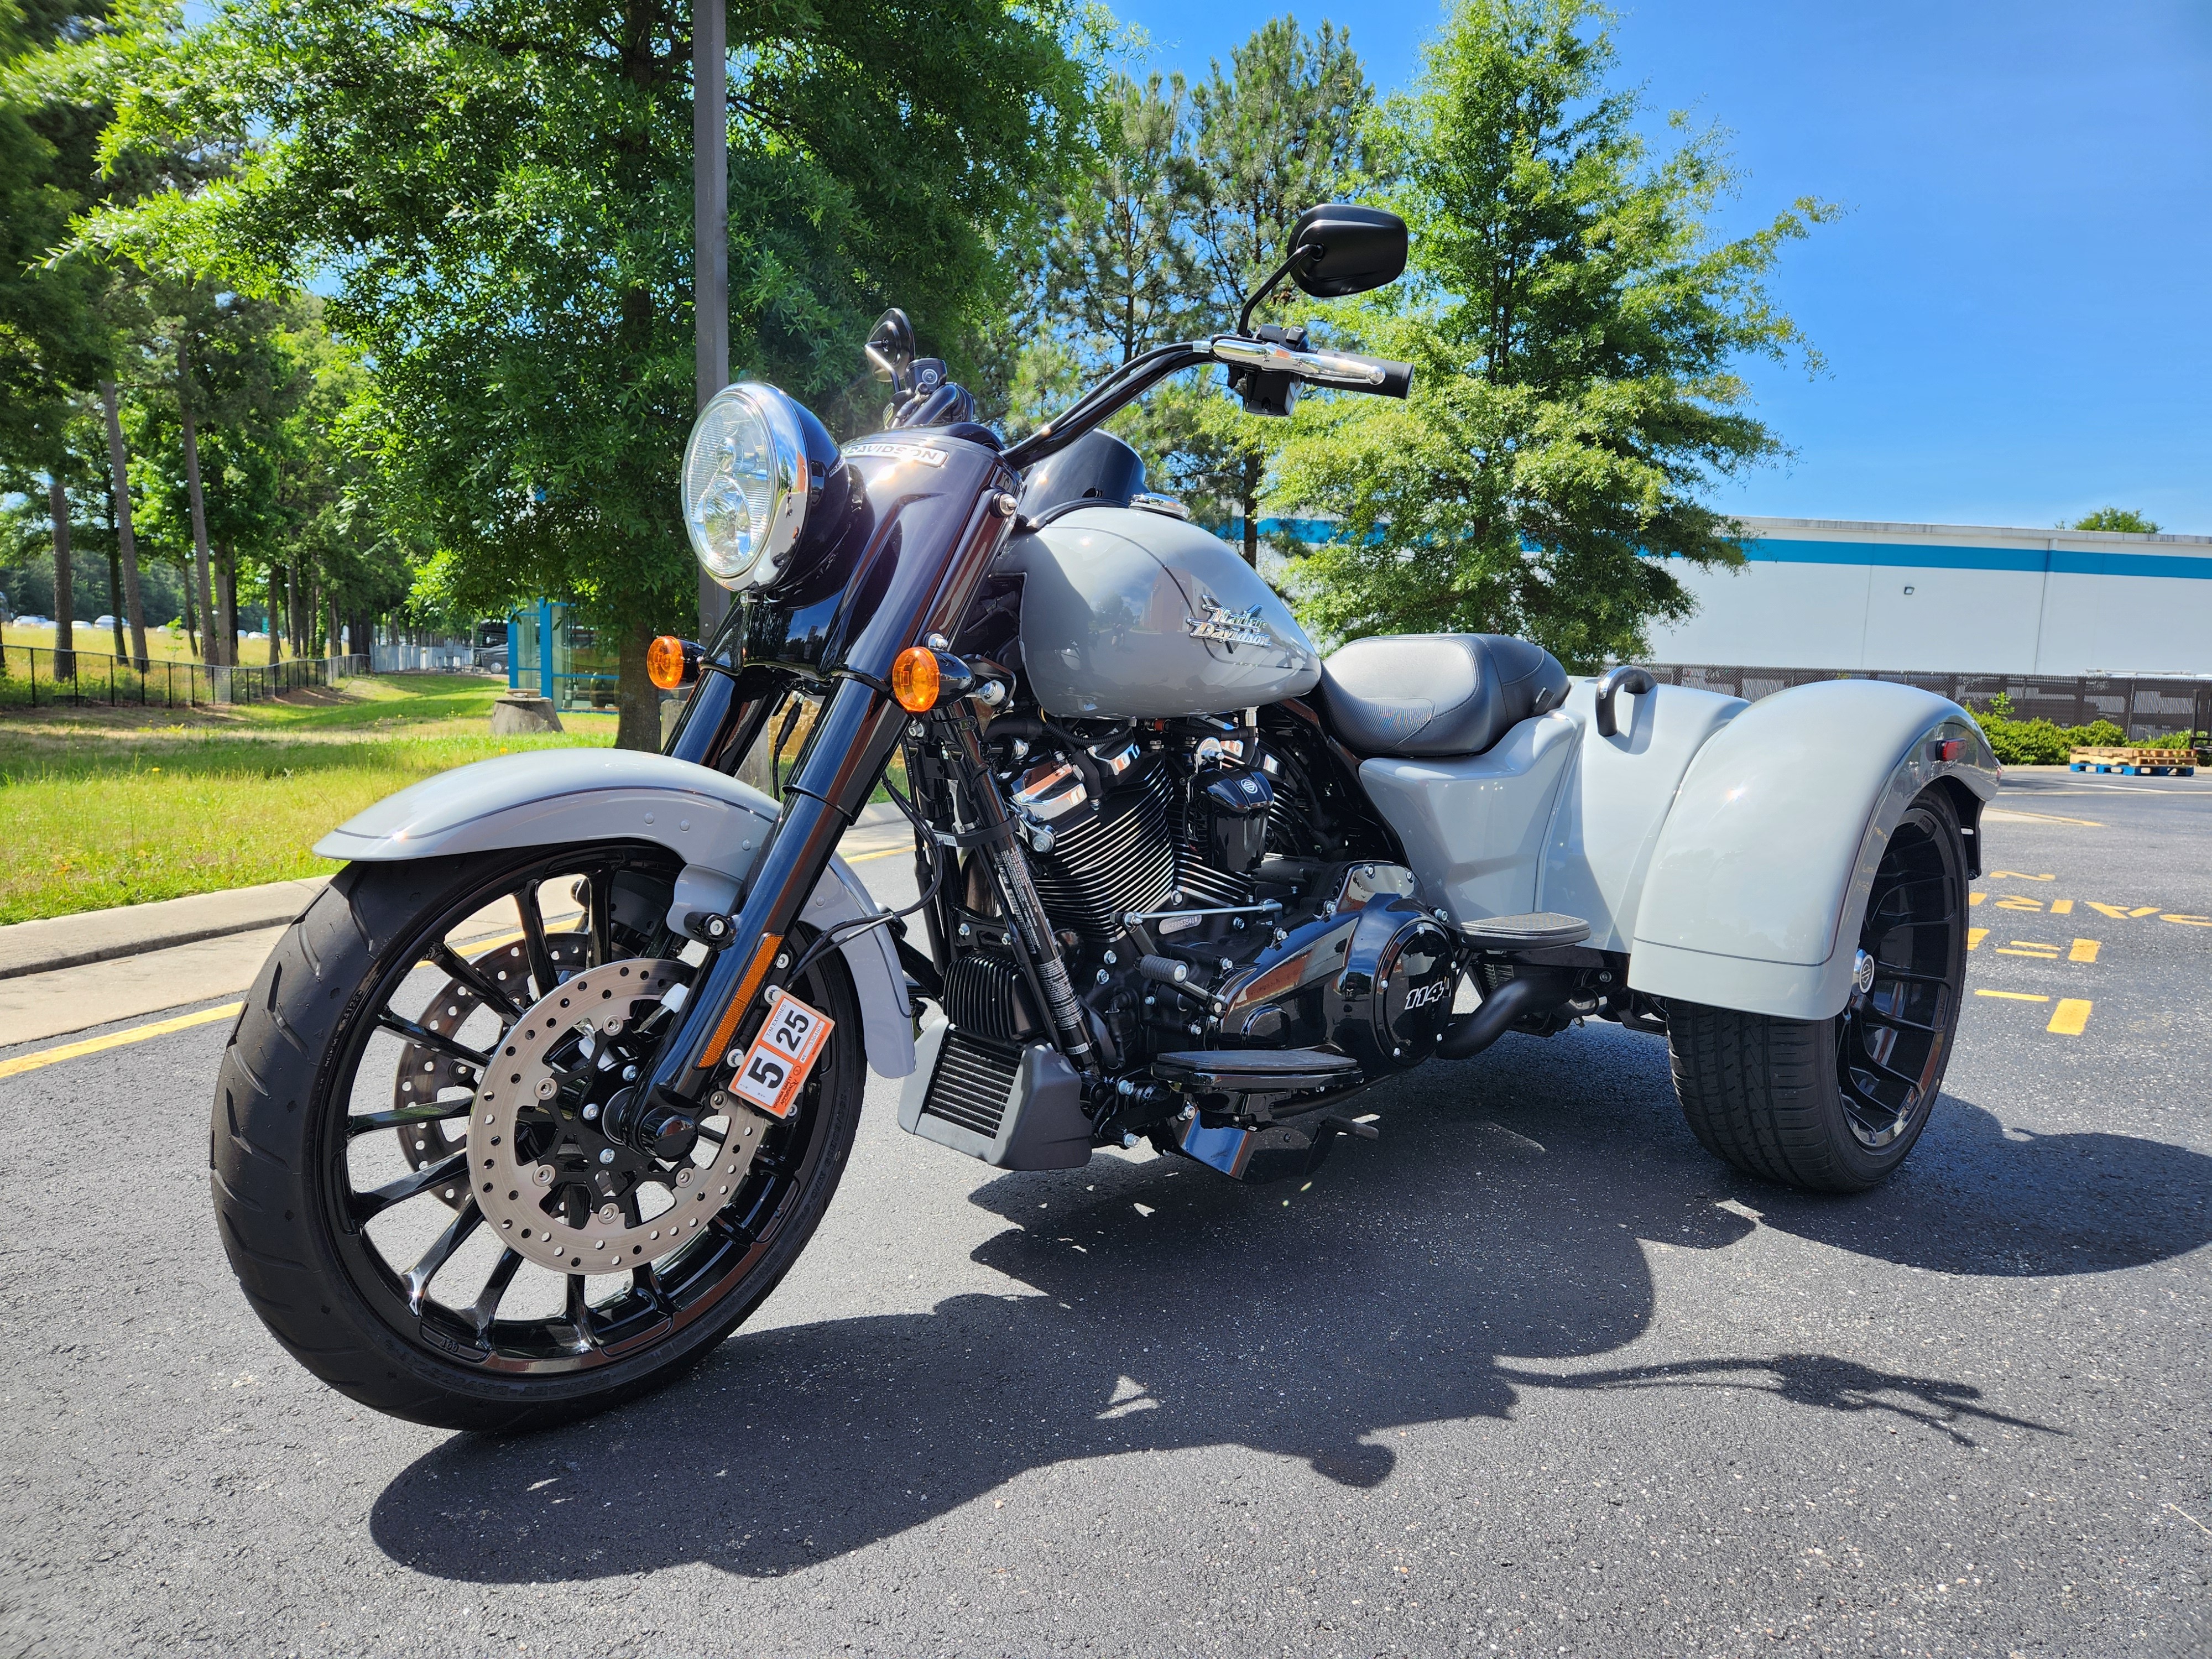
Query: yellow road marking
x=2085, y=950
x=2071, y=1016
x=2008, y=816
x=24, y=1063
x=2189, y=921
x=1975, y=936
x=2144, y=911
x=2012, y=996
x=2062, y=906
x=888, y=852
x=1976, y=899
x=2040, y=952
x=2017, y=875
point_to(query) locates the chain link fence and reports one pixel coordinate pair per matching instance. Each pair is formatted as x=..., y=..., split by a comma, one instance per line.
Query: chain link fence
x=2141, y=706
x=37, y=677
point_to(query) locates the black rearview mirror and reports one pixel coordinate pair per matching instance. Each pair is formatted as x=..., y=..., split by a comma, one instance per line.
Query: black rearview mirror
x=1355, y=249
x=890, y=349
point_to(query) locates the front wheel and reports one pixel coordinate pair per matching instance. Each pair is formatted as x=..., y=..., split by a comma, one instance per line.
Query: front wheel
x=420, y=1168
x=1834, y=1105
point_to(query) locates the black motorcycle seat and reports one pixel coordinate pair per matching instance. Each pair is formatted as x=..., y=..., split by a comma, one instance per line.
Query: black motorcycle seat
x=1435, y=694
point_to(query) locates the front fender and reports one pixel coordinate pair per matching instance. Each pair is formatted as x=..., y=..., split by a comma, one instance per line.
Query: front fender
x=1759, y=880
x=566, y=797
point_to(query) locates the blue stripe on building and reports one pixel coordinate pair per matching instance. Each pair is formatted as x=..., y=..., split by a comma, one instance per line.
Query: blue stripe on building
x=1917, y=555
x=1927, y=556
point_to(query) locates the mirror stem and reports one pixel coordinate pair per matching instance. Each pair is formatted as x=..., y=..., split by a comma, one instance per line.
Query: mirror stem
x=1303, y=251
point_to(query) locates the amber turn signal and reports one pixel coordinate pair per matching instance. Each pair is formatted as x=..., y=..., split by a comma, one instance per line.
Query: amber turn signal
x=668, y=663
x=915, y=679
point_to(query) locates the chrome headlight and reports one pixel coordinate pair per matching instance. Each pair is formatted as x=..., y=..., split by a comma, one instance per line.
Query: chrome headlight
x=745, y=484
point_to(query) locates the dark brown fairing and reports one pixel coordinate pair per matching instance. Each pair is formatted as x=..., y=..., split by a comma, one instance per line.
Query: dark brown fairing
x=902, y=559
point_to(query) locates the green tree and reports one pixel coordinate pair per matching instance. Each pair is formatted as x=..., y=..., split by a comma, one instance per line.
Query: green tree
x=1119, y=272
x=1119, y=275
x=1278, y=133
x=500, y=195
x=51, y=345
x=1575, y=328
x=2124, y=520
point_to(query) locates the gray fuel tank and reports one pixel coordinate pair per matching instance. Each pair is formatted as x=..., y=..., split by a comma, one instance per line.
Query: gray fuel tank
x=1128, y=614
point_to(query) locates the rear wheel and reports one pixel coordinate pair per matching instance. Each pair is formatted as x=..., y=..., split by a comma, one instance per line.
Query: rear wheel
x=420, y=1165
x=1835, y=1105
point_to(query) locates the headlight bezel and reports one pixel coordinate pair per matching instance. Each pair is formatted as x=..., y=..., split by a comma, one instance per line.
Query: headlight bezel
x=791, y=483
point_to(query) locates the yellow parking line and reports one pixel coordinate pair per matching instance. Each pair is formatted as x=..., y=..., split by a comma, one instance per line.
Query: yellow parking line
x=2012, y=996
x=1975, y=935
x=2085, y=950
x=24, y=1063
x=2071, y=1016
x=2009, y=815
x=888, y=852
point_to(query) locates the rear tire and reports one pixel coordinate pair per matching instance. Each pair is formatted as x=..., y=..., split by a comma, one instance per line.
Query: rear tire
x=292, y=1216
x=1835, y=1105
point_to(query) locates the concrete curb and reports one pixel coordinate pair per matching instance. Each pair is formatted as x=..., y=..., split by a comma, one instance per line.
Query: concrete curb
x=130, y=930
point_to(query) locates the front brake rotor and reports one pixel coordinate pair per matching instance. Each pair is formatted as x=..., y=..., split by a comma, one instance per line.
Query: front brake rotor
x=535, y=1162
x=426, y=1074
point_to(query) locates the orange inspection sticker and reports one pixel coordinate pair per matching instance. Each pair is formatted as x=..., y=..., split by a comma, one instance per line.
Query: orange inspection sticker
x=775, y=1068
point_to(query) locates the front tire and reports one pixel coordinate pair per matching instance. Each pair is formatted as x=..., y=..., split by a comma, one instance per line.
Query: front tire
x=1835, y=1105
x=340, y=1162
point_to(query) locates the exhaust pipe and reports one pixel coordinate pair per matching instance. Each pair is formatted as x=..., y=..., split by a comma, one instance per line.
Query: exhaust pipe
x=1524, y=994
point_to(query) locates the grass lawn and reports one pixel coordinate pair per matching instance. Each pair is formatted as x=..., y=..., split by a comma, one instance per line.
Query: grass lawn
x=161, y=644
x=103, y=806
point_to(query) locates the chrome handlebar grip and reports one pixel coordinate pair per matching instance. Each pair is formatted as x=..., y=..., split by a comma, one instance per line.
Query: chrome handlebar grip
x=1323, y=368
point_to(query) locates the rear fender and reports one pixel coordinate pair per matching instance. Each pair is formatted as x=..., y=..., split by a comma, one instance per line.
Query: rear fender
x=568, y=796
x=1605, y=828
x=1758, y=880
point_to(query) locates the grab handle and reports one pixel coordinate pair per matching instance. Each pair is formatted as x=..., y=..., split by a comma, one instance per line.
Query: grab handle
x=1613, y=681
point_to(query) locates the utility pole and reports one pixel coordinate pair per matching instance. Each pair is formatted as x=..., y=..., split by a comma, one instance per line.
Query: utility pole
x=710, y=236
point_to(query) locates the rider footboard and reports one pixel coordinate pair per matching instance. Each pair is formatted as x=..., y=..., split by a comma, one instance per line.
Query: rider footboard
x=1013, y=1107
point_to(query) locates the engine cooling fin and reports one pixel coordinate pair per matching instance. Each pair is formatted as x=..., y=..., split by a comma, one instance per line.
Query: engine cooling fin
x=986, y=994
x=1120, y=859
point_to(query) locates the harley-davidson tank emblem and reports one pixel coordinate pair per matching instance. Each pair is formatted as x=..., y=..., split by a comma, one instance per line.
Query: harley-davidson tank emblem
x=1230, y=627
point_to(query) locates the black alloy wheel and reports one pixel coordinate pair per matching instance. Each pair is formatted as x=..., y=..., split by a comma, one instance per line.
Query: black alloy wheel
x=1835, y=1105
x=395, y=1013
x=1894, y=1035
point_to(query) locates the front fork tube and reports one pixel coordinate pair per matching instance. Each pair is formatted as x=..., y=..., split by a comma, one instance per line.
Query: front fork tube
x=850, y=742
x=1025, y=909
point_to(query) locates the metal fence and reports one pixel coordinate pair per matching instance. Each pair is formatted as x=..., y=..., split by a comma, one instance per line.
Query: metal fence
x=37, y=676
x=446, y=659
x=2142, y=707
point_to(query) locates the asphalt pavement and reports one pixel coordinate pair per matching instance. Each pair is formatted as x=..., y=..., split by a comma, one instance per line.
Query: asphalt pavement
x=1531, y=1374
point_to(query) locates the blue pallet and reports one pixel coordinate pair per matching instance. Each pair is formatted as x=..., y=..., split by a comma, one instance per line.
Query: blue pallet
x=2129, y=771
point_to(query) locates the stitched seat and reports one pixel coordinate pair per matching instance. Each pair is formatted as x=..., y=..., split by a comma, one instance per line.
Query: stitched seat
x=1435, y=694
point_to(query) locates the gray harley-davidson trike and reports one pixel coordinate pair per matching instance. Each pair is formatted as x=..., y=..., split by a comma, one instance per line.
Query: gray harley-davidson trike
x=550, y=1087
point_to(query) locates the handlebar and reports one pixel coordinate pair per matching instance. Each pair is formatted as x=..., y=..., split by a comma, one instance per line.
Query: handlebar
x=1344, y=369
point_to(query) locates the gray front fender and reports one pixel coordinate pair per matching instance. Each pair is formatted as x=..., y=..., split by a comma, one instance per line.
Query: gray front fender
x=1759, y=880
x=567, y=797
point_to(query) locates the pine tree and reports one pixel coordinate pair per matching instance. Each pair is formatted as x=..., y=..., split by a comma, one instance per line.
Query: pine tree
x=1576, y=331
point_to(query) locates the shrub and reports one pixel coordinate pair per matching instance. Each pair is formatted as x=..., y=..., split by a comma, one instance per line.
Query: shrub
x=2040, y=743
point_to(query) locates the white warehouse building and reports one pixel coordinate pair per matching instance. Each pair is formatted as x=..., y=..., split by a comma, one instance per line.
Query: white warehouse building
x=1828, y=593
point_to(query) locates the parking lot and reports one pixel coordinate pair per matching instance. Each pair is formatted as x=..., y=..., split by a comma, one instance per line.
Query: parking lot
x=1530, y=1373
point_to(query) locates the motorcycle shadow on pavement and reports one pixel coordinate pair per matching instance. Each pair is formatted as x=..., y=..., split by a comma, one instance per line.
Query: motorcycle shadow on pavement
x=1510, y=1217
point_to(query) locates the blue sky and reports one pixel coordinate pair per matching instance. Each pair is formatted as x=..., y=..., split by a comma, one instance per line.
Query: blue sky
x=2017, y=308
